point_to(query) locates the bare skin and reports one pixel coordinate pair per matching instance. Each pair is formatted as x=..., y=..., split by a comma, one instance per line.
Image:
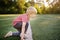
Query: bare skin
x=23, y=30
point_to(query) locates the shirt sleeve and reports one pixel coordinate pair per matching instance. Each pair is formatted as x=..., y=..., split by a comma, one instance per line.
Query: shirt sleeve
x=24, y=18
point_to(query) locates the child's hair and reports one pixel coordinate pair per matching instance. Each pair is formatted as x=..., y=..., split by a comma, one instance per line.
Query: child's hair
x=31, y=9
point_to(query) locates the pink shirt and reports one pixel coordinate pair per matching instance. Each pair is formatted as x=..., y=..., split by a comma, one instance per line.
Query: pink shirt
x=23, y=18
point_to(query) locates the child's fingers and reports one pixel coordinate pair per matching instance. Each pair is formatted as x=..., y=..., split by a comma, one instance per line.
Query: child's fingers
x=22, y=38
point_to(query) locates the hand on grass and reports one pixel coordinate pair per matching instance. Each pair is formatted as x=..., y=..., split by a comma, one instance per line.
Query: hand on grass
x=22, y=39
x=22, y=36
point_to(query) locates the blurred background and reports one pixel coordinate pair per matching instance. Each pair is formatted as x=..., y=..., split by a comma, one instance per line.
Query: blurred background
x=45, y=26
x=20, y=6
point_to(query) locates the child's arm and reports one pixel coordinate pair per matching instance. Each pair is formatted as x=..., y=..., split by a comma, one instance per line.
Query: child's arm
x=23, y=30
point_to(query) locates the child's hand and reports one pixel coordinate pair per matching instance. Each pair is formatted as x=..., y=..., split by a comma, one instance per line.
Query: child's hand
x=22, y=36
x=22, y=39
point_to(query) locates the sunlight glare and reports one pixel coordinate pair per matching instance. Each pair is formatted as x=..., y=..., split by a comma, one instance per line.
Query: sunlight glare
x=46, y=3
x=50, y=1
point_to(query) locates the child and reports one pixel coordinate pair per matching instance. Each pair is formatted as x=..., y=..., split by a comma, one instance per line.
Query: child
x=21, y=23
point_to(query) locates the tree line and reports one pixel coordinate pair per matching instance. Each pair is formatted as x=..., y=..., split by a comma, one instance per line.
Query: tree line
x=20, y=6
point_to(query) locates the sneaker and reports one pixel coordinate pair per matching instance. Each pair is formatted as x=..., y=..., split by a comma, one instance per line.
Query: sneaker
x=8, y=34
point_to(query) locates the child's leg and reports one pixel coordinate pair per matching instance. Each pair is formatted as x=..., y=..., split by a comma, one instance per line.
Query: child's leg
x=16, y=34
x=10, y=33
x=18, y=27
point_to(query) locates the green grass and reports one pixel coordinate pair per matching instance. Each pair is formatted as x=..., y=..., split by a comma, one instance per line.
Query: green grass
x=44, y=27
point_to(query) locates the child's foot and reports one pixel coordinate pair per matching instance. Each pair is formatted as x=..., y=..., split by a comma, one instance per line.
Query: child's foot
x=8, y=34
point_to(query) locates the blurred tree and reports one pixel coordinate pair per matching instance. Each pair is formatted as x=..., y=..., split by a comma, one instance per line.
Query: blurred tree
x=21, y=6
x=38, y=8
x=21, y=3
x=27, y=4
x=8, y=6
x=55, y=8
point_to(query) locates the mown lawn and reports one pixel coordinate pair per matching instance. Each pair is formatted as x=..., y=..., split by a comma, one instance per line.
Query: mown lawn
x=44, y=27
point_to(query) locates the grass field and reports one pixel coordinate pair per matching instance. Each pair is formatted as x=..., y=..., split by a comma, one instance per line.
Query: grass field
x=44, y=27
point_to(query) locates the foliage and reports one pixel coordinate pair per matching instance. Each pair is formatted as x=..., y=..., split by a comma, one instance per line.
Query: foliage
x=8, y=6
x=20, y=6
